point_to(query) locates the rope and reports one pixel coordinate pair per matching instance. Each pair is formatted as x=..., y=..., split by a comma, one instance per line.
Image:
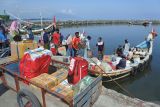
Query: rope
x=20, y=19
x=34, y=31
x=115, y=82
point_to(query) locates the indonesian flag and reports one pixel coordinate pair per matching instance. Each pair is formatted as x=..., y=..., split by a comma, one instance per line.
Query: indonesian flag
x=54, y=21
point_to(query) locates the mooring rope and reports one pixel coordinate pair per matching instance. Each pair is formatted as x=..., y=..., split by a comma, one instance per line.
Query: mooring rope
x=19, y=18
x=125, y=90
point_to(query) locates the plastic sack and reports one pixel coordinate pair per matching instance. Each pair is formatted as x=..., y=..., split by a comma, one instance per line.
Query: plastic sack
x=30, y=68
x=78, y=69
x=62, y=50
x=82, y=85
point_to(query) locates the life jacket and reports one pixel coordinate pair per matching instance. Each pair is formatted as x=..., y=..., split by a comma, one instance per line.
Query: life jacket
x=78, y=69
x=75, y=42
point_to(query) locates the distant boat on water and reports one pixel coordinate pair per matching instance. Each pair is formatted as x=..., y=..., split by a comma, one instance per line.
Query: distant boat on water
x=144, y=23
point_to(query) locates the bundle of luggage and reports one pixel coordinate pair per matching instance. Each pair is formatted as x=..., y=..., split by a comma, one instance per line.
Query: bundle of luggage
x=34, y=63
x=69, y=83
x=49, y=81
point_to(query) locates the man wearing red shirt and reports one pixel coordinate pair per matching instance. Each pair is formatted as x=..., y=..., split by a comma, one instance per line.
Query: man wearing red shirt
x=56, y=38
x=75, y=42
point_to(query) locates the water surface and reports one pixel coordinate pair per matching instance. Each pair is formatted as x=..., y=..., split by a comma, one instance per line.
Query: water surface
x=145, y=85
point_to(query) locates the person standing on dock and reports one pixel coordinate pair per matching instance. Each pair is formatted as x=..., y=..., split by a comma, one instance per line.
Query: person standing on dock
x=2, y=39
x=69, y=44
x=56, y=39
x=75, y=42
x=3, y=30
x=100, y=45
x=61, y=38
x=30, y=33
x=46, y=39
x=87, y=48
x=126, y=48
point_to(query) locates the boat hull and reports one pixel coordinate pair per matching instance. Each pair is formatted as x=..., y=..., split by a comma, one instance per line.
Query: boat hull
x=132, y=72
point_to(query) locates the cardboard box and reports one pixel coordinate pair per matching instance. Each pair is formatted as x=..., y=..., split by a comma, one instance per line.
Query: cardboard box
x=19, y=48
x=45, y=80
x=60, y=75
x=67, y=93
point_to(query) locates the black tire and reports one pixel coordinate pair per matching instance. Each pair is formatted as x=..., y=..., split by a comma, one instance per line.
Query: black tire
x=29, y=96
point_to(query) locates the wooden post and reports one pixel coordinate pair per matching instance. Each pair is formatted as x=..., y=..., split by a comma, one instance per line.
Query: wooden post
x=43, y=97
x=3, y=78
x=71, y=103
x=17, y=83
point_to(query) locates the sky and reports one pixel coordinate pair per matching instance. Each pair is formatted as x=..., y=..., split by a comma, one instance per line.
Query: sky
x=83, y=9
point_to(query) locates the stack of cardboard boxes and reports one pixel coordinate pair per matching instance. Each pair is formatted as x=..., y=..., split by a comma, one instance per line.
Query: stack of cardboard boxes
x=54, y=83
x=19, y=48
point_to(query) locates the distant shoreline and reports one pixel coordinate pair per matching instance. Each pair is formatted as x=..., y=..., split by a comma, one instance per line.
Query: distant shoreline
x=95, y=22
x=91, y=22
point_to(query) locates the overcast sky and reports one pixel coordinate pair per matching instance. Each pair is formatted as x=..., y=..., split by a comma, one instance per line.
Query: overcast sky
x=83, y=9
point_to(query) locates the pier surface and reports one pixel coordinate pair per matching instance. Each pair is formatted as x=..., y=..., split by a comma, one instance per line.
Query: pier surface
x=108, y=98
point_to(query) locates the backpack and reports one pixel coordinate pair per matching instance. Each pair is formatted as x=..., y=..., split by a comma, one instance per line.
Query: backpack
x=78, y=69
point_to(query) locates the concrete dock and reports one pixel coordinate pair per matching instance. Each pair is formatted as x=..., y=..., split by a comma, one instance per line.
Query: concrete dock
x=111, y=98
x=108, y=98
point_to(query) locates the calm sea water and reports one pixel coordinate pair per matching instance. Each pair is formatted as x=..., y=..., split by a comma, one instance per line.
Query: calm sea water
x=145, y=85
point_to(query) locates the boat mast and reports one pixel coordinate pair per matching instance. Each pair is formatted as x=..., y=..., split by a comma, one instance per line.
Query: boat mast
x=41, y=19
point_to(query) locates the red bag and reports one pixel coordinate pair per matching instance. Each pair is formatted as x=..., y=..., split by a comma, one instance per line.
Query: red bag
x=54, y=51
x=31, y=68
x=78, y=69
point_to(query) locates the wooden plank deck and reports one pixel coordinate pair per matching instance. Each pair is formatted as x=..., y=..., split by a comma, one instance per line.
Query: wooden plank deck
x=6, y=60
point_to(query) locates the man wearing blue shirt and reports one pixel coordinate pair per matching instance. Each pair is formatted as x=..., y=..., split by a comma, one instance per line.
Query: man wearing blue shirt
x=2, y=39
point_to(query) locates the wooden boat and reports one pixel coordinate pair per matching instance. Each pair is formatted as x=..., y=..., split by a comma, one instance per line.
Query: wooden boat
x=113, y=75
x=37, y=31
